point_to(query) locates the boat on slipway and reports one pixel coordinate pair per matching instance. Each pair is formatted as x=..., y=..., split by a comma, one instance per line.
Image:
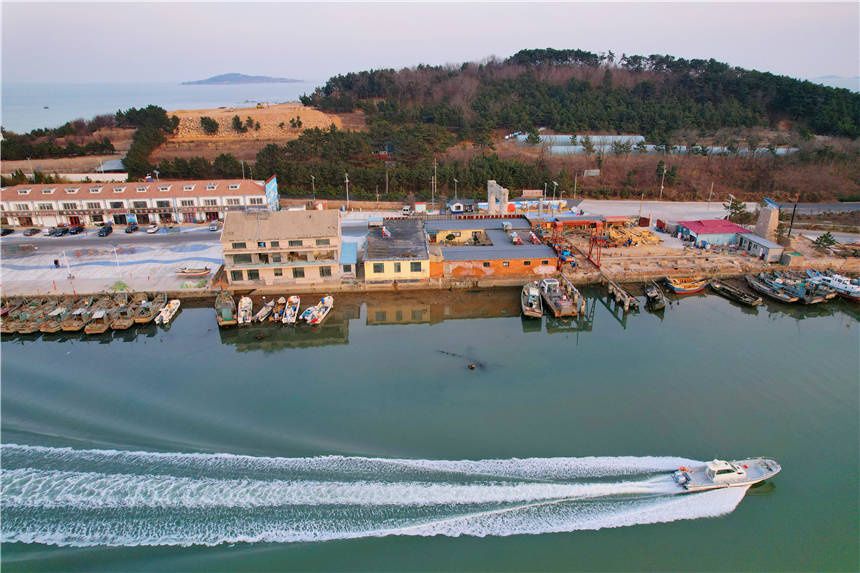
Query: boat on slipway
x=291, y=312
x=718, y=474
x=225, y=309
x=733, y=293
x=168, y=312
x=530, y=300
x=686, y=286
x=317, y=313
x=655, y=295
x=246, y=308
x=193, y=272
x=766, y=289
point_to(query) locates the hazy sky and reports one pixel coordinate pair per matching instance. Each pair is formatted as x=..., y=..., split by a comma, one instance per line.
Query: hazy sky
x=176, y=42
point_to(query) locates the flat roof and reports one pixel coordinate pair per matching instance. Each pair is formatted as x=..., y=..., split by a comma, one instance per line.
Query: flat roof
x=564, y=217
x=495, y=253
x=116, y=190
x=241, y=226
x=753, y=238
x=436, y=225
x=407, y=241
x=349, y=253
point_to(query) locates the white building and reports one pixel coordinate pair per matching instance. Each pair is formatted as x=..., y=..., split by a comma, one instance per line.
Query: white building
x=160, y=202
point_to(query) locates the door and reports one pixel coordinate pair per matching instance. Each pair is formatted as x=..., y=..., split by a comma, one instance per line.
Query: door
x=119, y=219
x=143, y=219
x=74, y=221
x=25, y=221
x=211, y=216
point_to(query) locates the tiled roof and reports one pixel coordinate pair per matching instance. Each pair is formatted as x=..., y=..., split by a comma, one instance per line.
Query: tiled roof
x=277, y=225
x=495, y=253
x=436, y=225
x=136, y=190
x=712, y=227
x=407, y=241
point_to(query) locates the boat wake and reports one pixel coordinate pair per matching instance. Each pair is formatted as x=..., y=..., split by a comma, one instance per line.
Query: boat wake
x=62, y=496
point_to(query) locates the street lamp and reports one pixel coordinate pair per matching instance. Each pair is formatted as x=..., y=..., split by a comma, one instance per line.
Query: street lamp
x=662, y=179
x=554, y=187
x=314, y=187
x=455, y=188
x=346, y=181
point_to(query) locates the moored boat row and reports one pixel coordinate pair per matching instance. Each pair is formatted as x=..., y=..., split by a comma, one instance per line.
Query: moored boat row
x=283, y=310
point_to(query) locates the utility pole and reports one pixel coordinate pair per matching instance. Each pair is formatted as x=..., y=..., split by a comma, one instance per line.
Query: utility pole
x=554, y=187
x=793, y=211
x=663, y=178
x=346, y=181
x=243, y=169
x=386, y=181
x=575, y=176
x=314, y=187
x=377, y=196
x=710, y=194
x=544, y=189
x=455, y=188
x=433, y=194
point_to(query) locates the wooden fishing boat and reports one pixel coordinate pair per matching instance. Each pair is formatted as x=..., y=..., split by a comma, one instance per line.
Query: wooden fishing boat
x=168, y=312
x=123, y=318
x=733, y=293
x=278, y=312
x=775, y=293
x=9, y=305
x=264, y=312
x=317, y=313
x=225, y=309
x=656, y=297
x=149, y=309
x=79, y=317
x=530, y=300
x=37, y=318
x=192, y=272
x=291, y=312
x=246, y=308
x=686, y=286
x=18, y=319
x=100, y=322
x=54, y=319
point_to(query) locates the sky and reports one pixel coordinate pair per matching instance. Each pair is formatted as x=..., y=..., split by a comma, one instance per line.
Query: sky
x=140, y=42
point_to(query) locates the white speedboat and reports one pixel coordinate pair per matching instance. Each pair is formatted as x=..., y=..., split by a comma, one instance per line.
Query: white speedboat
x=317, y=313
x=264, y=312
x=841, y=284
x=168, y=312
x=530, y=300
x=719, y=474
x=246, y=306
x=291, y=313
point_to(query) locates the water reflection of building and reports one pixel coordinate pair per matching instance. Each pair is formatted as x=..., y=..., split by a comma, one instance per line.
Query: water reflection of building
x=435, y=307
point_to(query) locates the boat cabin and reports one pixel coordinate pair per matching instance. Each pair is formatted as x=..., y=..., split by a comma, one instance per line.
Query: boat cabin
x=719, y=470
x=550, y=286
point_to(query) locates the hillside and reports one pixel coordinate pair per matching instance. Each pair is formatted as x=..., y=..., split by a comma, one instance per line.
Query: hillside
x=234, y=78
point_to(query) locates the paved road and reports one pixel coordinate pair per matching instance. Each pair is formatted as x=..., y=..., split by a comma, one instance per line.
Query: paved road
x=116, y=238
x=809, y=208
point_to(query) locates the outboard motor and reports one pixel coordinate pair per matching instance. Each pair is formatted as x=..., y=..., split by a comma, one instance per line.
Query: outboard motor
x=681, y=477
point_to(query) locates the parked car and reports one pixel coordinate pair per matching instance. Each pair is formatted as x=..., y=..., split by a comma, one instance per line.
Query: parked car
x=60, y=231
x=77, y=230
x=213, y=226
x=105, y=231
x=47, y=231
x=6, y=231
x=152, y=229
x=405, y=211
x=131, y=228
x=31, y=231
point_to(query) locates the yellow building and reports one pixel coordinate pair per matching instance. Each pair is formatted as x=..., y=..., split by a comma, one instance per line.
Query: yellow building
x=398, y=252
x=282, y=247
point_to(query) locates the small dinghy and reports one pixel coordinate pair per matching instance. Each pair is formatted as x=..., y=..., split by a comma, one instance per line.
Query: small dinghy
x=735, y=294
x=291, y=312
x=656, y=297
x=278, y=313
x=317, y=313
x=168, y=312
x=193, y=271
x=246, y=307
x=686, y=286
x=720, y=474
x=264, y=312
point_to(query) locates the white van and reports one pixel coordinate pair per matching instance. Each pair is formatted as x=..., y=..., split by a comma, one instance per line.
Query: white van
x=406, y=211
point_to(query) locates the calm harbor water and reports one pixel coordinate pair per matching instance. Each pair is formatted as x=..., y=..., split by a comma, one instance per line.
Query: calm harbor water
x=367, y=444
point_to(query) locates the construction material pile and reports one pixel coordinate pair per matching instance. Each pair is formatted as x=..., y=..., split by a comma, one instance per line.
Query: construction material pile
x=633, y=236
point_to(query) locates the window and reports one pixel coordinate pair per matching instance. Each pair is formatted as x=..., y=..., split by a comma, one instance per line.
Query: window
x=92, y=190
x=486, y=264
x=139, y=204
x=506, y=264
x=378, y=268
x=253, y=274
x=255, y=201
x=398, y=315
x=164, y=187
x=233, y=186
x=264, y=258
x=415, y=267
x=238, y=245
x=527, y=263
x=298, y=273
x=211, y=186
x=23, y=191
x=94, y=205
x=279, y=272
x=74, y=190
x=544, y=262
x=97, y=219
x=380, y=316
x=22, y=207
x=274, y=243
x=297, y=243
x=118, y=189
x=347, y=268
x=240, y=259
x=70, y=206
x=188, y=187
x=45, y=206
x=210, y=202
x=417, y=314
x=325, y=271
x=162, y=203
x=322, y=242
x=233, y=201
x=187, y=202
x=261, y=244
x=49, y=191
x=235, y=275
x=396, y=267
x=276, y=258
x=142, y=188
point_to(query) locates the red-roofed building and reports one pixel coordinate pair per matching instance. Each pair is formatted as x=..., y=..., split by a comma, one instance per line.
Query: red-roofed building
x=711, y=231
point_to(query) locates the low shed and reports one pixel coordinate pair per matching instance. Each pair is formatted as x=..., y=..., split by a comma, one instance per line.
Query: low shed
x=760, y=247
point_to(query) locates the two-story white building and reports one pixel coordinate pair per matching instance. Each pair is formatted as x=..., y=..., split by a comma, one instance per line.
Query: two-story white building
x=122, y=203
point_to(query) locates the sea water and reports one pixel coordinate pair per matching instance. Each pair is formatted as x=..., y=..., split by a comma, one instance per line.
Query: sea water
x=368, y=443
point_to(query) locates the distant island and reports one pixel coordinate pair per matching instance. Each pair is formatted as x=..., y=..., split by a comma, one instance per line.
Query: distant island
x=230, y=79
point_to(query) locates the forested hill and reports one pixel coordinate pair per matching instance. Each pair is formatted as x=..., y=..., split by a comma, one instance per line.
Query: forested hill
x=575, y=90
